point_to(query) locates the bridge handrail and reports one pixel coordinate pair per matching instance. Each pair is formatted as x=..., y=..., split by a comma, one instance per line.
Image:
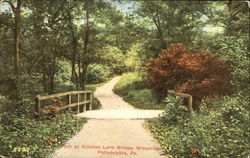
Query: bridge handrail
x=70, y=104
x=188, y=96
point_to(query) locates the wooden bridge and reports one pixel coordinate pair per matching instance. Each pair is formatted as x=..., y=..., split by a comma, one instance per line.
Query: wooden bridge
x=82, y=100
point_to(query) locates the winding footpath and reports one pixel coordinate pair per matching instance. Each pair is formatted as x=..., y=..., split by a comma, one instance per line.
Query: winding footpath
x=114, y=131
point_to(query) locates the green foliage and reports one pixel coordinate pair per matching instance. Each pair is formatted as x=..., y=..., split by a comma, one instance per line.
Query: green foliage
x=133, y=62
x=4, y=102
x=36, y=138
x=7, y=81
x=129, y=82
x=175, y=112
x=63, y=76
x=23, y=107
x=183, y=28
x=134, y=90
x=214, y=132
x=236, y=51
x=98, y=73
x=143, y=99
x=236, y=18
x=114, y=58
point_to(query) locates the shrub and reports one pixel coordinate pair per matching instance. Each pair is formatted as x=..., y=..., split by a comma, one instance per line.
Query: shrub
x=98, y=73
x=174, y=113
x=236, y=52
x=199, y=74
x=36, y=138
x=217, y=132
x=143, y=99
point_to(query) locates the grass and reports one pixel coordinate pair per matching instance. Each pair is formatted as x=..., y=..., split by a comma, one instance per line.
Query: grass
x=135, y=90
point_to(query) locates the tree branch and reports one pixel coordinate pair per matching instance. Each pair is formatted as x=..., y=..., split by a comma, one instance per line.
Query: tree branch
x=56, y=18
x=34, y=65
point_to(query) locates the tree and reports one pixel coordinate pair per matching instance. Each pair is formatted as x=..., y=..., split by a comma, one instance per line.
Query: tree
x=47, y=23
x=231, y=44
x=90, y=38
x=175, y=22
x=199, y=74
x=16, y=9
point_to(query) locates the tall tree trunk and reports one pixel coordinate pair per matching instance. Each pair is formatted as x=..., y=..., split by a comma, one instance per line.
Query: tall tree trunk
x=156, y=19
x=52, y=72
x=17, y=32
x=86, y=42
x=79, y=85
x=157, y=23
x=84, y=75
x=45, y=88
x=17, y=35
x=163, y=42
x=74, y=76
x=52, y=83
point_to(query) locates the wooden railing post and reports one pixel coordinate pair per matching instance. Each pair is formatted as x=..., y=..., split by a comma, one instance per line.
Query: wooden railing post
x=38, y=106
x=78, y=100
x=69, y=98
x=91, y=98
x=85, y=105
x=190, y=103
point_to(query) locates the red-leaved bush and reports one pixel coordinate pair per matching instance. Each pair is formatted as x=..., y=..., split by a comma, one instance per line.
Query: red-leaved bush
x=199, y=74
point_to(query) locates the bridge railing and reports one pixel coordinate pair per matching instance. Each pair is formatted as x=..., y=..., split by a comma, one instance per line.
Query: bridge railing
x=183, y=95
x=56, y=102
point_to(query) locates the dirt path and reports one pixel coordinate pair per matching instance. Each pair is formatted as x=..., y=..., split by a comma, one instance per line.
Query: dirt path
x=111, y=132
x=108, y=99
x=114, y=107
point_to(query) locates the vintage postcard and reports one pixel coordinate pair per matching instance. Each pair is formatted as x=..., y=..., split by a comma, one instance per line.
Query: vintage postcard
x=124, y=79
